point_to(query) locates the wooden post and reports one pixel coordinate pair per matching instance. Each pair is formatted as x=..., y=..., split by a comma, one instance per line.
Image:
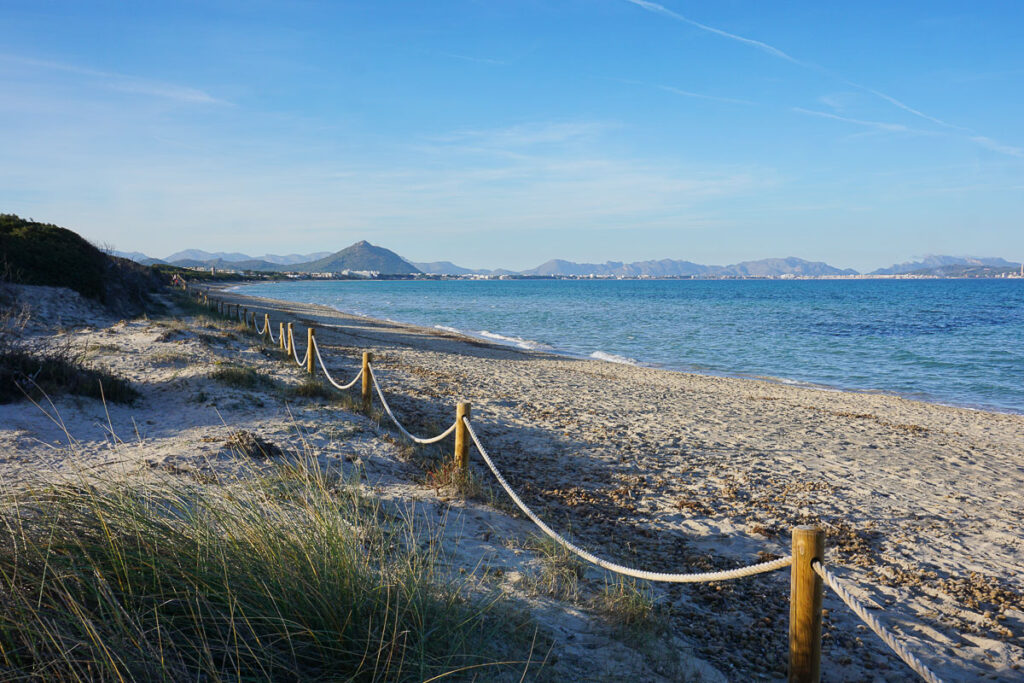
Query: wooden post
x=309, y=350
x=266, y=325
x=805, y=606
x=289, y=342
x=367, y=358
x=245, y=317
x=280, y=335
x=462, y=438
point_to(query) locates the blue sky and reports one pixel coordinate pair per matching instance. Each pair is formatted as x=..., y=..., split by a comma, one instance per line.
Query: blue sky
x=501, y=134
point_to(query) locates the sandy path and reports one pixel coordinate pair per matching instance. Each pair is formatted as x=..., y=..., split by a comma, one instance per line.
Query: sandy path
x=670, y=471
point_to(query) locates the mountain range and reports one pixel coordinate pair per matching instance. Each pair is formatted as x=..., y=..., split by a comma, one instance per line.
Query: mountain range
x=940, y=263
x=363, y=256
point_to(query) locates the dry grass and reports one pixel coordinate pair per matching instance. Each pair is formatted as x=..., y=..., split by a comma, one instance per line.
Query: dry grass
x=287, y=575
x=560, y=570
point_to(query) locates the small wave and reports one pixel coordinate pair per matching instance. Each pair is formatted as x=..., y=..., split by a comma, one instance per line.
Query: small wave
x=612, y=358
x=453, y=330
x=515, y=341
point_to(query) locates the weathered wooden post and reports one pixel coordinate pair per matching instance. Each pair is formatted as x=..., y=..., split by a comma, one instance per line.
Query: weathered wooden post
x=805, y=606
x=462, y=410
x=266, y=325
x=367, y=358
x=309, y=350
x=289, y=343
x=280, y=336
x=245, y=316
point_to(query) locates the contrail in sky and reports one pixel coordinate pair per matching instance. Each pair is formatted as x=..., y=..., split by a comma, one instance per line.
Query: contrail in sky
x=988, y=143
x=661, y=9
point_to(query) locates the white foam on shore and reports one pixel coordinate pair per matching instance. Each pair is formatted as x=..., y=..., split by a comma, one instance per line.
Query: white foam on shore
x=613, y=358
x=453, y=330
x=519, y=342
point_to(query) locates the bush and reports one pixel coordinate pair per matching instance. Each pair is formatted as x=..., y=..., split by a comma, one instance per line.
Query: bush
x=241, y=377
x=38, y=373
x=34, y=253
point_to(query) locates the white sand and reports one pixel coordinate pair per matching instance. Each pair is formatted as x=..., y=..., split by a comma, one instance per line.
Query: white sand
x=662, y=470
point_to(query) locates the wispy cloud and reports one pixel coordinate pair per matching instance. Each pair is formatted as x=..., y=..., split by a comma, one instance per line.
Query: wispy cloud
x=995, y=146
x=972, y=135
x=528, y=134
x=880, y=125
x=907, y=108
x=702, y=96
x=122, y=82
x=476, y=60
x=661, y=9
x=686, y=93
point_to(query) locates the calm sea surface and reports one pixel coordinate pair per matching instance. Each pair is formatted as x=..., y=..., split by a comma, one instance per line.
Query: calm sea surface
x=950, y=341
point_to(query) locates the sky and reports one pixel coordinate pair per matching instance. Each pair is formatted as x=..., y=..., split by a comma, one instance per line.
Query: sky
x=504, y=133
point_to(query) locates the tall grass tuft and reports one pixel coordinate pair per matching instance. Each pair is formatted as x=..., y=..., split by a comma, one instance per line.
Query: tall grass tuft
x=288, y=574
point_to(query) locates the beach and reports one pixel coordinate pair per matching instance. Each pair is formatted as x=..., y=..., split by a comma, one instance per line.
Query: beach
x=665, y=471
x=672, y=472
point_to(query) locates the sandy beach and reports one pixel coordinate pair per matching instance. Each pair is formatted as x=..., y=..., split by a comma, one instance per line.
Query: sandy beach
x=661, y=470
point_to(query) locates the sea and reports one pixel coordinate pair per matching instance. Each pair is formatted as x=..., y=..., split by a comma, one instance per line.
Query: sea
x=955, y=342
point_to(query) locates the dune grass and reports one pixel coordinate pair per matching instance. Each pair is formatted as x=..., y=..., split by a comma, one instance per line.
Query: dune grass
x=242, y=377
x=285, y=575
x=36, y=373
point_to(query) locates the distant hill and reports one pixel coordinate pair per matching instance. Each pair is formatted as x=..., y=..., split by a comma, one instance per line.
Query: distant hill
x=291, y=259
x=774, y=267
x=199, y=255
x=447, y=268
x=360, y=256
x=206, y=258
x=674, y=268
x=136, y=256
x=221, y=264
x=934, y=265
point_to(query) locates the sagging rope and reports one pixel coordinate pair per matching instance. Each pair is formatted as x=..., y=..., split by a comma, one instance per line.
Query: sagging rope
x=874, y=624
x=618, y=568
x=330, y=379
x=391, y=414
x=295, y=353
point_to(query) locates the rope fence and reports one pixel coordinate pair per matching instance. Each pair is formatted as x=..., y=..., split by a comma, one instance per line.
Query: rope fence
x=874, y=624
x=808, y=571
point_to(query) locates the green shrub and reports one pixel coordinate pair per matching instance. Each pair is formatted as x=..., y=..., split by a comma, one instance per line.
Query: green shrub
x=33, y=253
x=38, y=373
x=241, y=377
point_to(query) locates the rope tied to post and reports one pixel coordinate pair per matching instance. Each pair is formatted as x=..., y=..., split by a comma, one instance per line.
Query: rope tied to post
x=701, y=577
x=874, y=624
x=391, y=414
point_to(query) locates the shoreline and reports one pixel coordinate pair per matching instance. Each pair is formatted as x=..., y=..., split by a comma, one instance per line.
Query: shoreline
x=519, y=344
x=676, y=471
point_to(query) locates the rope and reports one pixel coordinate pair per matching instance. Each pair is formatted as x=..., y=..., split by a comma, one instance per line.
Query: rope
x=295, y=354
x=618, y=568
x=387, y=409
x=262, y=330
x=888, y=638
x=316, y=349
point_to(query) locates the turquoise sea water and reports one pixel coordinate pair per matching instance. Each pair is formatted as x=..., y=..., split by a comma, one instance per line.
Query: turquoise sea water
x=958, y=342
